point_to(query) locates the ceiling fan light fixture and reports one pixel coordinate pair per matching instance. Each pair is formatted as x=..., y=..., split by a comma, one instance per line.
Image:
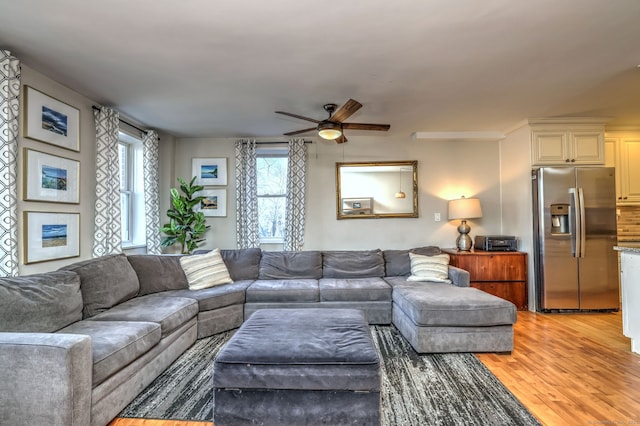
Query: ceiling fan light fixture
x=329, y=130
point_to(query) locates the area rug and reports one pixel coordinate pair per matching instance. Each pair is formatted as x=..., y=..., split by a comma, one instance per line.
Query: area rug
x=434, y=389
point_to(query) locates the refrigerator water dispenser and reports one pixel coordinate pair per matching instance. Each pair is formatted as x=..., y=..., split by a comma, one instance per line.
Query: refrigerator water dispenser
x=559, y=218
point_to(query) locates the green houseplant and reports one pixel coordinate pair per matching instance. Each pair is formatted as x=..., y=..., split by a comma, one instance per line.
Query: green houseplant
x=185, y=226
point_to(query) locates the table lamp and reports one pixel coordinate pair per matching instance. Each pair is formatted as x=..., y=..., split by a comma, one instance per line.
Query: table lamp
x=464, y=208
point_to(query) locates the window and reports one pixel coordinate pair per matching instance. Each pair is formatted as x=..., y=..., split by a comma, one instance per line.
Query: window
x=124, y=150
x=272, y=193
x=131, y=191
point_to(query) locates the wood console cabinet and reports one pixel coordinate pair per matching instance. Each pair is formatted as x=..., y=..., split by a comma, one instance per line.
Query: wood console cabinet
x=503, y=274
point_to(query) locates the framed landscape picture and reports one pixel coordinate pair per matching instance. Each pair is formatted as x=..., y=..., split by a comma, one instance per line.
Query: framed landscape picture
x=50, y=178
x=51, y=236
x=49, y=120
x=210, y=171
x=215, y=203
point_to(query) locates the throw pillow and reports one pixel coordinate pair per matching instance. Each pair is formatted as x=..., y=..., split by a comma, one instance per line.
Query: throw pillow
x=429, y=268
x=205, y=270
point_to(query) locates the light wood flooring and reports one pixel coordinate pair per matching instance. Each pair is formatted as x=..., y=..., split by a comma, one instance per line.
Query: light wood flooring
x=567, y=369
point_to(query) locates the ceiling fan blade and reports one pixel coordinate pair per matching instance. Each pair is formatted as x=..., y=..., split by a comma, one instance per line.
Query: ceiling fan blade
x=345, y=111
x=313, y=120
x=365, y=126
x=297, y=132
x=341, y=139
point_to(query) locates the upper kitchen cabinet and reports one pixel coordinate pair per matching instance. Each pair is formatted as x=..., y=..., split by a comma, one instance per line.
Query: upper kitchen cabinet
x=564, y=142
x=623, y=150
x=567, y=148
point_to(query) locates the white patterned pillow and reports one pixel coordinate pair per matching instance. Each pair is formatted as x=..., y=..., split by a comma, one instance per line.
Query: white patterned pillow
x=205, y=270
x=429, y=268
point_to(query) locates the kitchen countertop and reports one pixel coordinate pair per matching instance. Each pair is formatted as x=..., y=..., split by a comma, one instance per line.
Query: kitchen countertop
x=630, y=247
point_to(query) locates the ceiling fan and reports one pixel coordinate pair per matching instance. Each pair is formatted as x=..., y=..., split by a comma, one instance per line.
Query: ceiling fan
x=332, y=127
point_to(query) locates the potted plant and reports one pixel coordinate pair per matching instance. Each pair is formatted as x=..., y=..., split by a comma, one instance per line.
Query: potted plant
x=185, y=226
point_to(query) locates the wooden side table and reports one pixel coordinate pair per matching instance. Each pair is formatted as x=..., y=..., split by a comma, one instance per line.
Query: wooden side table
x=501, y=273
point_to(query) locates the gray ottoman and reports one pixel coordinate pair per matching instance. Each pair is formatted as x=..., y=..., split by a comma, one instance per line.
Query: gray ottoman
x=438, y=317
x=298, y=367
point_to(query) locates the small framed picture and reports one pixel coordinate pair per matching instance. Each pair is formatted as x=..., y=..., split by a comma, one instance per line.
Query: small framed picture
x=50, y=178
x=214, y=204
x=210, y=171
x=51, y=236
x=357, y=206
x=49, y=120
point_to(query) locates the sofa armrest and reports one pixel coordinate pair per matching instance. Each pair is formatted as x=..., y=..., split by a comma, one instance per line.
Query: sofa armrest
x=45, y=379
x=459, y=277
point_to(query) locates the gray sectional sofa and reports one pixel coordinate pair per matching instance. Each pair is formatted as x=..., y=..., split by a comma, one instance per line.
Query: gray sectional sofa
x=78, y=344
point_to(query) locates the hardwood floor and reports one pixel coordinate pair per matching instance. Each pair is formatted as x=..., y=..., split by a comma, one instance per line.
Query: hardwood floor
x=572, y=369
x=567, y=369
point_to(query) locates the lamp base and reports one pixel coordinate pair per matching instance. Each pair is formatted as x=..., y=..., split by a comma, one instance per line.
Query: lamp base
x=464, y=242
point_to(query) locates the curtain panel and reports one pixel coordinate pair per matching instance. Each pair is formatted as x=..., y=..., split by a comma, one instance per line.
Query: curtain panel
x=9, y=109
x=247, y=229
x=295, y=209
x=151, y=192
x=108, y=232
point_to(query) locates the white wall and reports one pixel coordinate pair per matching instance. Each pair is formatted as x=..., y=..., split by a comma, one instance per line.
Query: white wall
x=517, y=217
x=86, y=157
x=446, y=170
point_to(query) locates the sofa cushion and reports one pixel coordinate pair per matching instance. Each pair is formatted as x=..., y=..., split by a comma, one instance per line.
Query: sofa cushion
x=398, y=264
x=354, y=290
x=40, y=302
x=214, y=297
x=115, y=344
x=279, y=265
x=168, y=311
x=293, y=290
x=440, y=304
x=352, y=264
x=243, y=264
x=158, y=272
x=105, y=281
x=429, y=268
x=205, y=270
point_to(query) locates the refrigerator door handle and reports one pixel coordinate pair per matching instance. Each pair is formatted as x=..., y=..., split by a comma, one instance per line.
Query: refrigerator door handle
x=576, y=224
x=582, y=226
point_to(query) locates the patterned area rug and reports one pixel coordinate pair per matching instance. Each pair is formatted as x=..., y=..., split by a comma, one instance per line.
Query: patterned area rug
x=438, y=389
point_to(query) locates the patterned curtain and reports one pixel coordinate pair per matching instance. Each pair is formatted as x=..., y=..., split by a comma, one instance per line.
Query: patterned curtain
x=108, y=233
x=9, y=108
x=247, y=234
x=151, y=193
x=294, y=216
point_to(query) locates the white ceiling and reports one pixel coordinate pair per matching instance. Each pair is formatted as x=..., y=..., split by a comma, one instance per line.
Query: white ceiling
x=220, y=68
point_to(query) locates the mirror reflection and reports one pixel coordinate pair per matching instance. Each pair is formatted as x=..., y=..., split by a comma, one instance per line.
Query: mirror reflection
x=377, y=190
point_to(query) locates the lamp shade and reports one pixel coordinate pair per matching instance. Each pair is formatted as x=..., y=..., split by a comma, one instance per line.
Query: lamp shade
x=465, y=208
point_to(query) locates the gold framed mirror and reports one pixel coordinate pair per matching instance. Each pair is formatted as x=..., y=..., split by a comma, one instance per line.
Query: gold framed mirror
x=376, y=190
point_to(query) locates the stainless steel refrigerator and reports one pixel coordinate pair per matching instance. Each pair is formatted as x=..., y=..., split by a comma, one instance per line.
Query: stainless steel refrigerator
x=574, y=227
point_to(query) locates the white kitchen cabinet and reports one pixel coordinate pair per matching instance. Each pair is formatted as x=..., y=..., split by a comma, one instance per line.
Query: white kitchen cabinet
x=611, y=160
x=629, y=155
x=630, y=281
x=561, y=146
x=623, y=150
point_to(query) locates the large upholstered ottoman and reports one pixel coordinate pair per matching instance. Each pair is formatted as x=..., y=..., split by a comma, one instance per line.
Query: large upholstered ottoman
x=298, y=367
x=438, y=317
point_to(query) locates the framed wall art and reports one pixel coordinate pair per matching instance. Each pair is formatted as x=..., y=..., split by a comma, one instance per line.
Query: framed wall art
x=49, y=120
x=51, y=236
x=210, y=171
x=357, y=206
x=214, y=204
x=50, y=178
